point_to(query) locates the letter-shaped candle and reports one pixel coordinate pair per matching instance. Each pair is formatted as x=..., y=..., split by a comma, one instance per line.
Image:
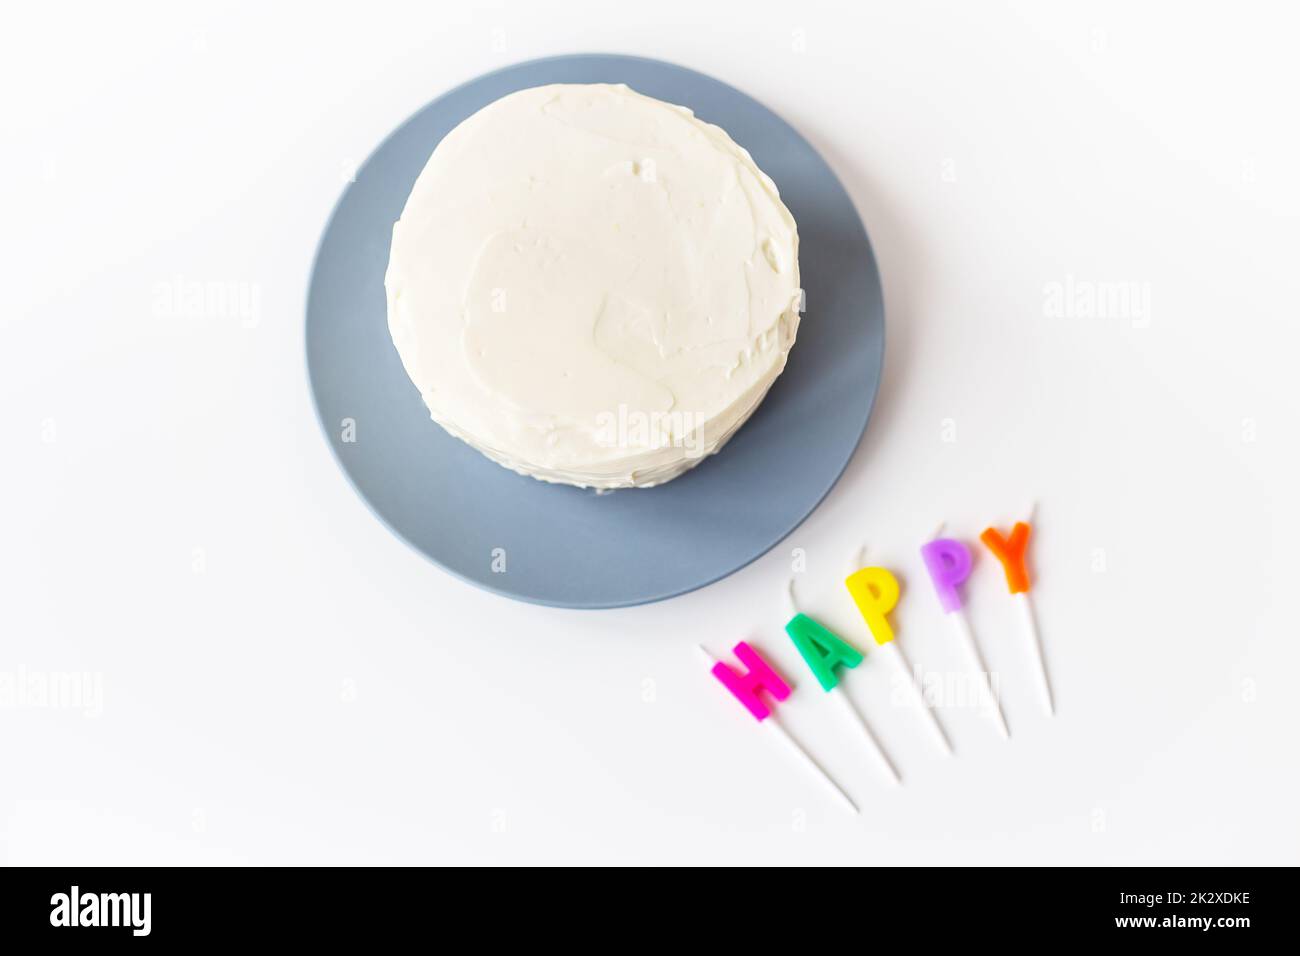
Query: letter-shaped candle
x=1011, y=553
x=948, y=562
x=822, y=649
x=875, y=592
x=746, y=686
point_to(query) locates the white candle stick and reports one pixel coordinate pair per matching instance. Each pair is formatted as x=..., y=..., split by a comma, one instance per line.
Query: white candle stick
x=1031, y=627
x=963, y=628
x=779, y=730
x=894, y=651
x=861, y=721
x=1036, y=641
x=840, y=693
x=791, y=605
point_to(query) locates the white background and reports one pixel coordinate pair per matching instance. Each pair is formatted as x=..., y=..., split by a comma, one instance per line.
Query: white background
x=284, y=681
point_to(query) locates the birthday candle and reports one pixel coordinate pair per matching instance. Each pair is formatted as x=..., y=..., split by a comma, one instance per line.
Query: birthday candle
x=949, y=564
x=824, y=652
x=1010, y=553
x=875, y=592
x=745, y=687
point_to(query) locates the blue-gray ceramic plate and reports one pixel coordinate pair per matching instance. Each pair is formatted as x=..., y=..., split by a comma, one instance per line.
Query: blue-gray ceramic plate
x=552, y=544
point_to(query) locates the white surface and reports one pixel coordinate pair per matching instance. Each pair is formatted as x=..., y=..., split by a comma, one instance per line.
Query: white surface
x=283, y=681
x=574, y=294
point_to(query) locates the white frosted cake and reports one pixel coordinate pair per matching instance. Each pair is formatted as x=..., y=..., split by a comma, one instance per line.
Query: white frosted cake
x=591, y=286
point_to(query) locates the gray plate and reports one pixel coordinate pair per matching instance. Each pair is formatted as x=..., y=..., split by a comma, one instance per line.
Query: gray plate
x=564, y=546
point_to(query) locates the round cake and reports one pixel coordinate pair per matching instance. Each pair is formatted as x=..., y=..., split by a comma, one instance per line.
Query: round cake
x=591, y=286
